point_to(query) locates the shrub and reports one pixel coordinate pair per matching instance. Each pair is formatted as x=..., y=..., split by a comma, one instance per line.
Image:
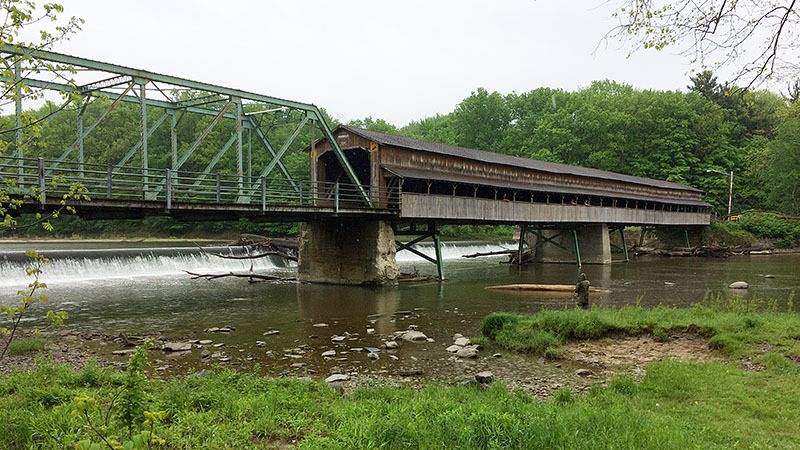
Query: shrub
x=21, y=346
x=768, y=225
x=495, y=322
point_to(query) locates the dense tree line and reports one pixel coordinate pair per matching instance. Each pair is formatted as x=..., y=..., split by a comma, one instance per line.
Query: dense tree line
x=671, y=135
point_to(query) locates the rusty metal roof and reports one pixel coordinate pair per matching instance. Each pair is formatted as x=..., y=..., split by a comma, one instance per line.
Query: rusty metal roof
x=514, y=161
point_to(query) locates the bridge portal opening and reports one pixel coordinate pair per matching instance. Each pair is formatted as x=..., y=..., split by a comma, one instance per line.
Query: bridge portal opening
x=330, y=170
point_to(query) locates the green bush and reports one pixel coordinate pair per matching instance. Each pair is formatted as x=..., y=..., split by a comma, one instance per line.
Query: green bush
x=26, y=345
x=728, y=233
x=494, y=323
x=768, y=225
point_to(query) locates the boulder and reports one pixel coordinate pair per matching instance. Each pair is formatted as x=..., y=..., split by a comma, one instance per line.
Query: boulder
x=413, y=336
x=337, y=378
x=177, y=346
x=484, y=377
x=739, y=285
x=467, y=352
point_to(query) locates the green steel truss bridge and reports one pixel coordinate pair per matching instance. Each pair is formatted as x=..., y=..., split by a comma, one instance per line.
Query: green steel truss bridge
x=121, y=188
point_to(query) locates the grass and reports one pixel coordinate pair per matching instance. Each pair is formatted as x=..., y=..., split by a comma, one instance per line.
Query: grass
x=676, y=405
x=21, y=346
x=735, y=328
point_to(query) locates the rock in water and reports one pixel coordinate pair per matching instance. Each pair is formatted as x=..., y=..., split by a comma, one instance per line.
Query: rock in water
x=484, y=377
x=337, y=378
x=271, y=332
x=583, y=372
x=462, y=341
x=391, y=345
x=373, y=356
x=739, y=285
x=329, y=354
x=177, y=346
x=414, y=336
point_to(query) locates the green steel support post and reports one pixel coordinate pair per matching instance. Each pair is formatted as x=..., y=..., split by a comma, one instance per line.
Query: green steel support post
x=523, y=229
x=284, y=148
x=239, y=158
x=577, y=248
x=268, y=146
x=173, y=137
x=249, y=156
x=80, y=142
x=18, y=120
x=150, y=130
x=437, y=245
x=624, y=244
x=145, y=162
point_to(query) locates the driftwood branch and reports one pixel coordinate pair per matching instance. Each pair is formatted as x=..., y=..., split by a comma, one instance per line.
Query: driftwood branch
x=252, y=277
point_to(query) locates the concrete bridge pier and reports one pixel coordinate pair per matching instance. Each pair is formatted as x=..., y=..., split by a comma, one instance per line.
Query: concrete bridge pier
x=583, y=244
x=350, y=252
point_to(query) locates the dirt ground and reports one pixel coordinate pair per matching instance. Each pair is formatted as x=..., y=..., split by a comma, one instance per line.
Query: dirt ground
x=621, y=352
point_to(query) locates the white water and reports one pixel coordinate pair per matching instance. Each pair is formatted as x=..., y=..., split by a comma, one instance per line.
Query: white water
x=82, y=269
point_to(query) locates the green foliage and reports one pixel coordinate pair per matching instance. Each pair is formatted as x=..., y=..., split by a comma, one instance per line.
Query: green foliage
x=27, y=345
x=728, y=233
x=736, y=327
x=769, y=225
x=132, y=401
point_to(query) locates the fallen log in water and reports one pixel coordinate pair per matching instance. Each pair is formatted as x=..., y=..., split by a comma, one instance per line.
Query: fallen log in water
x=494, y=253
x=545, y=288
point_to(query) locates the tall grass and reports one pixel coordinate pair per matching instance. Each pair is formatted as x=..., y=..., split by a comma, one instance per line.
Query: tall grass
x=676, y=405
x=735, y=326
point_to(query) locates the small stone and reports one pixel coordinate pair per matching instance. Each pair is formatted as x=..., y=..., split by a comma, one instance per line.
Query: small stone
x=320, y=325
x=454, y=348
x=394, y=358
x=205, y=354
x=373, y=349
x=177, y=346
x=123, y=352
x=413, y=336
x=461, y=342
x=224, y=359
x=467, y=352
x=271, y=332
x=370, y=330
x=429, y=340
x=497, y=355
x=356, y=349
x=205, y=342
x=218, y=344
x=484, y=377
x=739, y=285
x=457, y=335
x=338, y=338
x=392, y=345
x=298, y=365
x=261, y=344
x=769, y=276
x=411, y=373
x=373, y=356
x=584, y=372
x=337, y=378
x=669, y=283
x=329, y=354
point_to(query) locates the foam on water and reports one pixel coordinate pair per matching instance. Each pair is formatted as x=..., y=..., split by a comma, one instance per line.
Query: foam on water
x=77, y=266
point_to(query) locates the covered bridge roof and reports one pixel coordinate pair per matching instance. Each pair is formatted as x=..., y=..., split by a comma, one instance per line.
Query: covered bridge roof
x=513, y=161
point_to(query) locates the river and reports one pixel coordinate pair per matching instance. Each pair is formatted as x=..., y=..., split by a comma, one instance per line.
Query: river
x=142, y=290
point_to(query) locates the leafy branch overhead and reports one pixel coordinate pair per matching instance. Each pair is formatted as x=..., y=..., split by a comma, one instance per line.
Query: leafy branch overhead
x=755, y=40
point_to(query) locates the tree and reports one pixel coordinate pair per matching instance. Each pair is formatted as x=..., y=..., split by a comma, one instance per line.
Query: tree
x=481, y=120
x=379, y=125
x=756, y=39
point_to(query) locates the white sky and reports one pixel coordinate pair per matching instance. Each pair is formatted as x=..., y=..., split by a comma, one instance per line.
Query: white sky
x=399, y=61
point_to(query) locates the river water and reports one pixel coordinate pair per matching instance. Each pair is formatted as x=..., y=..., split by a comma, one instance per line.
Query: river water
x=142, y=290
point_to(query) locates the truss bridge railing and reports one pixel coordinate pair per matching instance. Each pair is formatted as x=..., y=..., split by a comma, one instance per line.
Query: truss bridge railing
x=40, y=179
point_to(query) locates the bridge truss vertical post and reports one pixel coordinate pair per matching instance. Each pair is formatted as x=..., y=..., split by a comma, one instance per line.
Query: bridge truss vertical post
x=80, y=141
x=173, y=137
x=239, y=159
x=432, y=233
x=18, y=121
x=40, y=176
x=523, y=231
x=168, y=188
x=145, y=161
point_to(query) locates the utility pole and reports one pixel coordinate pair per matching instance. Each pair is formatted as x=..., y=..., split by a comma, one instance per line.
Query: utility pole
x=730, y=196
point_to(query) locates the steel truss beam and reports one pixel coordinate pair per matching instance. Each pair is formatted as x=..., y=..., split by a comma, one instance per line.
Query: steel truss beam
x=142, y=77
x=433, y=233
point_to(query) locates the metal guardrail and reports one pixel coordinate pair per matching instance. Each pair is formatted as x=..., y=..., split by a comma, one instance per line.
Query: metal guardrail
x=110, y=182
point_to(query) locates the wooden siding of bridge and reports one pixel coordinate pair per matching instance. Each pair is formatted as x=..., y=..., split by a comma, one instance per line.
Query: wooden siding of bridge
x=478, y=210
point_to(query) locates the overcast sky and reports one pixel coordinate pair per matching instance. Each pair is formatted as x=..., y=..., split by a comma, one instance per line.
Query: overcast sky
x=400, y=60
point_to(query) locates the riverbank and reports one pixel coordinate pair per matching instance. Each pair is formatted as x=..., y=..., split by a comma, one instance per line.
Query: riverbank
x=743, y=392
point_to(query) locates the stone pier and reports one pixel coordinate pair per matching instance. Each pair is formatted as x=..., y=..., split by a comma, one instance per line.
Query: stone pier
x=558, y=246
x=352, y=252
